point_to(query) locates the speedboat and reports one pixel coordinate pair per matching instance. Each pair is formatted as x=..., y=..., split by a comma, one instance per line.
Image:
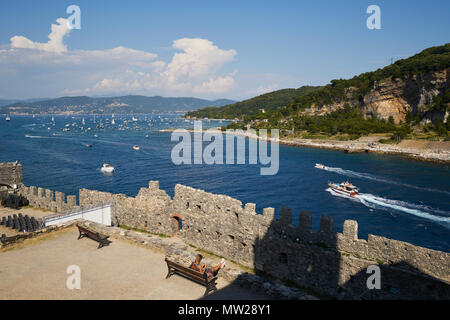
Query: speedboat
x=107, y=168
x=319, y=166
x=344, y=188
x=136, y=148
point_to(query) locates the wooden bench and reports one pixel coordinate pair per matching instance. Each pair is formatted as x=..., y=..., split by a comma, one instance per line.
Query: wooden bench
x=191, y=274
x=100, y=238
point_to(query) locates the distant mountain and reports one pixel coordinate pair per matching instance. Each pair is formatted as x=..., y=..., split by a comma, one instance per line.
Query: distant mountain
x=108, y=105
x=5, y=102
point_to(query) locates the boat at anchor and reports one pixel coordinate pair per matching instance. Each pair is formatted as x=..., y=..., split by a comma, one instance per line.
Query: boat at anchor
x=107, y=168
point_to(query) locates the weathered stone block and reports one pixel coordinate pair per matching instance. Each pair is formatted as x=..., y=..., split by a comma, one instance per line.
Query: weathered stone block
x=60, y=198
x=250, y=208
x=305, y=221
x=286, y=215
x=350, y=229
x=71, y=201
x=269, y=213
x=326, y=224
x=154, y=185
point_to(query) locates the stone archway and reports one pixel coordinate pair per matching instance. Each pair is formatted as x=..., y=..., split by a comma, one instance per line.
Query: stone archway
x=177, y=223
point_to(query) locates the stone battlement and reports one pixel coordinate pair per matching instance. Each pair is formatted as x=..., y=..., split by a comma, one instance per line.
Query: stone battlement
x=11, y=174
x=48, y=199
x=329, y=262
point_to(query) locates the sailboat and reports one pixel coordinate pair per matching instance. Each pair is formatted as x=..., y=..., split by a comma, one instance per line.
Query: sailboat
x=113, y=122
x=53, y=119
x=83, y=122
x=8, y=118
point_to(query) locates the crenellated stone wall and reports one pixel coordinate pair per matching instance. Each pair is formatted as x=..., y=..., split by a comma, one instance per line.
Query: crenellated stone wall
x=48, y=199
x=329, y=262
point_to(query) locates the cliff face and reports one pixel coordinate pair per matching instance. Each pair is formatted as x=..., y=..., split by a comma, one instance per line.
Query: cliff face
x=396, y=97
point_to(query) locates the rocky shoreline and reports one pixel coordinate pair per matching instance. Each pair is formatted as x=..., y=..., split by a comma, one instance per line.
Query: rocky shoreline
x=355, y=146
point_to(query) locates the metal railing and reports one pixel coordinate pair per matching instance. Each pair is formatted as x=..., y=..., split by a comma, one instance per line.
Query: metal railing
x=75, y=211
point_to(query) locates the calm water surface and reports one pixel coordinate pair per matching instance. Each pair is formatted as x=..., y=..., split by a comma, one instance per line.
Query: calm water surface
x=402, y=199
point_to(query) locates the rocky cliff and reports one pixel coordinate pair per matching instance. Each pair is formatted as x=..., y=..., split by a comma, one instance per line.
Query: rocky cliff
x=396, y=97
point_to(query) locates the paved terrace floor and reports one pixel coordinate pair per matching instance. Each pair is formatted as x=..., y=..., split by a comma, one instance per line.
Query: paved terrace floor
x=36, y=269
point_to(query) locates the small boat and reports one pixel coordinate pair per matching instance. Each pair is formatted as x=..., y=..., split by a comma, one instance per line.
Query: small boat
x=107, y=168
x=8, y=118
x=136, y=148
x=134, y=119
x=319, y=166
x=344, y=188
x=89, y=145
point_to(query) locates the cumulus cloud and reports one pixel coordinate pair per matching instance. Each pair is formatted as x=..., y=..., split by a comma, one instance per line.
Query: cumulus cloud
x=55, y=39
x=194, y=68
x=262, y=89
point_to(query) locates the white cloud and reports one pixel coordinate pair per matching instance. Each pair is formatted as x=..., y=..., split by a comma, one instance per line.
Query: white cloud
x=216, y=85
x=263, y=89
x=50, y=69
x=54, y=44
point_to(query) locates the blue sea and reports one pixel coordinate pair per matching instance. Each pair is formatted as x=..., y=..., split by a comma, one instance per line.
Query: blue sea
x=401, y=198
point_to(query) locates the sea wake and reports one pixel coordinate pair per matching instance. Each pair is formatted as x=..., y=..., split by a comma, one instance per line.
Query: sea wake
x=368, y=176
x=422, y=211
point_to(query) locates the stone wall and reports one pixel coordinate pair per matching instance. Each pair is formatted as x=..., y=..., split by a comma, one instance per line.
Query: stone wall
x=11, y=173
x=48, y=199
x=331, y=263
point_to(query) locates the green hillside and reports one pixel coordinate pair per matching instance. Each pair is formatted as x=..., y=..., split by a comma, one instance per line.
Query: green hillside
x=253, y=106
x=351, y=92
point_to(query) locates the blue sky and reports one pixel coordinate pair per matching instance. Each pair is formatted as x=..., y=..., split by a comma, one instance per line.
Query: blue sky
x=231, y=49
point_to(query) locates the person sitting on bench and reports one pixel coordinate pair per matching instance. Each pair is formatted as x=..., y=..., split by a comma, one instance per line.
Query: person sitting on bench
x=210, y=272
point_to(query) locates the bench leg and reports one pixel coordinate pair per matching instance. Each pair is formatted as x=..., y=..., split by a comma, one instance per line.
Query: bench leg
x=81, y=235
x=170, y=273
x=210, y=287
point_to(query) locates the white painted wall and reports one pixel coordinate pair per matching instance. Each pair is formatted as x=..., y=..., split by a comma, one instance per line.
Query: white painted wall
x=99, y=214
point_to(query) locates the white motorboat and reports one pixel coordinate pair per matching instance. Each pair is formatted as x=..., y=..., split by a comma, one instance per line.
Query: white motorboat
x=136, y=148
x=344, y=188
x=107, y=168
x=319, y=166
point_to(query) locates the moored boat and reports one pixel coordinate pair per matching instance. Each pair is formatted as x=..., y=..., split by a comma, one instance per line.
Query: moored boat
x=107, y=168
x=344, y=188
